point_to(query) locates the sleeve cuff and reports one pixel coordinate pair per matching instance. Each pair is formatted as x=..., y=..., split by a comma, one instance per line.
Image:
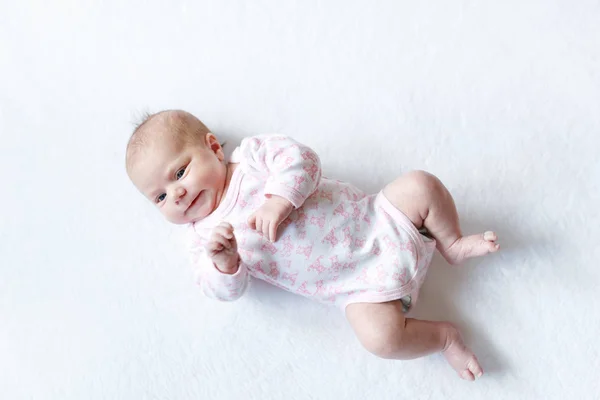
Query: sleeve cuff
x=293, y=196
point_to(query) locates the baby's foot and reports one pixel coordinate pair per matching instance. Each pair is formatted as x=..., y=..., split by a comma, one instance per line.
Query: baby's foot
x=471, y=246
x=460, y=357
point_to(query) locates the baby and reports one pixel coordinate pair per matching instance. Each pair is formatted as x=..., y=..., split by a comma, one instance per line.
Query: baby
x=269, y=213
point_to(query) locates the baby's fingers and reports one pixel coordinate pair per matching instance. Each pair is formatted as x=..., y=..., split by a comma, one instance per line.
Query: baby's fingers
x=259, y=224
x=226, y=232
x=252, y=221
x=266, y=229
x=222, y=241
x=226, y=224
x=273, y=230
x=233, y=243
x=214, y=247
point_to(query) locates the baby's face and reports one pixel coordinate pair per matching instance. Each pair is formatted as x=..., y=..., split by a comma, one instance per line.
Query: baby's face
x=185, y=181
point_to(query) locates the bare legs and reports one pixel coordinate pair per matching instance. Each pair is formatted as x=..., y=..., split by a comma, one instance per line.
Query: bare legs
x=382, y=327
x=384, y=331
x=427, y=202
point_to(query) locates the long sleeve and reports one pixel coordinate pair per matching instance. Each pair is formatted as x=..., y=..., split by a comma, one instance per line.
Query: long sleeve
x=214, y=283
x=291, y=169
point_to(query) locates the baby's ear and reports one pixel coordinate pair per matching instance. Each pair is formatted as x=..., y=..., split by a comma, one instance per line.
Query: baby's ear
x=220, y=154
x=215, y=146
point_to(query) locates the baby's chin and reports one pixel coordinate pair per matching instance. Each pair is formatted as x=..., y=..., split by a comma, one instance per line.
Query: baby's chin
x=177, y=221
x=189, y=218
x=186, y=219
x=182, y=219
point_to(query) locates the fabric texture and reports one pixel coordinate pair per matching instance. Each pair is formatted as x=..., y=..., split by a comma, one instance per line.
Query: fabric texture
x=338, y=246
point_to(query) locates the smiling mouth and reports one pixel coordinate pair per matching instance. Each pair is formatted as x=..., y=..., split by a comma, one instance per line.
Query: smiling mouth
x=193, y=203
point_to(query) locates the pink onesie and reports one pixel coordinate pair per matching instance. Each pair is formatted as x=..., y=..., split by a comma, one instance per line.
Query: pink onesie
x=338, y=245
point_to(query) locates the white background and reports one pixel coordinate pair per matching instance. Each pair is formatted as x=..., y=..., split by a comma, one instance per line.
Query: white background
x=500, y=100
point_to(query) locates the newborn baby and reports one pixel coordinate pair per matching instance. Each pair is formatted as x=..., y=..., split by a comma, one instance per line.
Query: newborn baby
x=267, y=212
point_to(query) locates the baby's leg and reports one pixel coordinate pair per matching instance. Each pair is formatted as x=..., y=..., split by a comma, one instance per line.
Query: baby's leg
x=426, y=202
x=383, y=330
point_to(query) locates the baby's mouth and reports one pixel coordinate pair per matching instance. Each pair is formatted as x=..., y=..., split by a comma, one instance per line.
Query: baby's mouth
x=193, y=203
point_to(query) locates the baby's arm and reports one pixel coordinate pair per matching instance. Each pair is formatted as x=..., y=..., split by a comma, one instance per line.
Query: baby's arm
x=292, y=171
x=221, y=274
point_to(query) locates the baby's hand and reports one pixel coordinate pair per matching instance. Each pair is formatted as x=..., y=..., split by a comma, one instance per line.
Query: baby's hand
x=222, y=248
x=270, y=215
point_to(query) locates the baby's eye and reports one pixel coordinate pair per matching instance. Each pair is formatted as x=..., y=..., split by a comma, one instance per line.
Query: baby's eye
x=180, y=173
x=161, y=197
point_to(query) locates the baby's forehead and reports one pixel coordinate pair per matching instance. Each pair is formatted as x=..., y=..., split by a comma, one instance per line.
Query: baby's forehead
x=161, y=137
x=179, y=123
x=171, y=132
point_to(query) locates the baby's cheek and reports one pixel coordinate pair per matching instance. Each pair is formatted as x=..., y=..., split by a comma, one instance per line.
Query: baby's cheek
x=205, y=210
x=174, y=218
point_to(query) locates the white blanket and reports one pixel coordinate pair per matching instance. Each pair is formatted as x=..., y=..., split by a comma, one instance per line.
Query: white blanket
x=500, y=100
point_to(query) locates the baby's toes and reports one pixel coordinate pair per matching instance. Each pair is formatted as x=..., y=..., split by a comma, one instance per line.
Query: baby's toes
x=467, y=375
x=493, y=247
x=490, y=236
x=490, y=241
x=475, y=369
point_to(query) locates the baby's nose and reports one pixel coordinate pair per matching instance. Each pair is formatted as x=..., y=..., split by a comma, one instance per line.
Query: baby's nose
x=179, y=193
